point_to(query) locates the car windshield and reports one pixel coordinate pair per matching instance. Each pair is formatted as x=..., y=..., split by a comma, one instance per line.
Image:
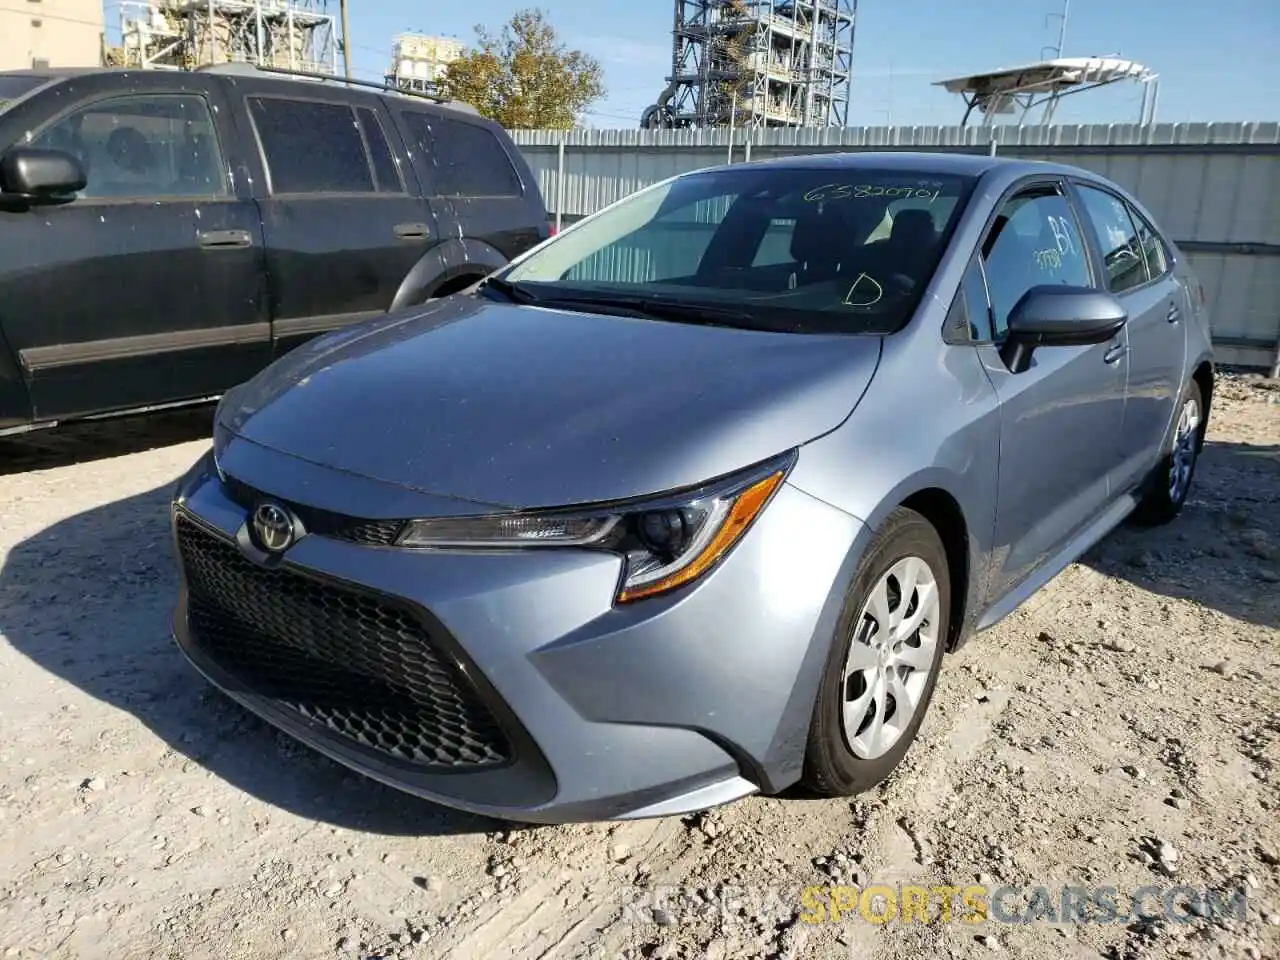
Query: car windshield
x=818, y=250
x=11, y=88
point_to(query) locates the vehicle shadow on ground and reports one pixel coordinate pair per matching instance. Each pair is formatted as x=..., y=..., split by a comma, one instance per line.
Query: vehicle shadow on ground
x=98, y=439
x=1223, y=550
x=90, y=599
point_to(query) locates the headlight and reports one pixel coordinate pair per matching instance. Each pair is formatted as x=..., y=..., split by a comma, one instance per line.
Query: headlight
x=665, y=542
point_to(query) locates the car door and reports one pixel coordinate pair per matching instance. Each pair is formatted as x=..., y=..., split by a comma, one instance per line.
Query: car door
x=149, y=287
x=472, y=180
x=343, y=217
x=1060, y=419
x=1136, y=269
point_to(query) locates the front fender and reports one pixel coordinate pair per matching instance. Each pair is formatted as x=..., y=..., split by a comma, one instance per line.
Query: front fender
x=445, y=262
x=928, y=431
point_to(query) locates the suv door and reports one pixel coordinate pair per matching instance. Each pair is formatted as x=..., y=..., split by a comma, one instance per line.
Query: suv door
x=148, y=288
x=473, y=180
x=1060, y=420
x=343, y=217
x=1137, y=270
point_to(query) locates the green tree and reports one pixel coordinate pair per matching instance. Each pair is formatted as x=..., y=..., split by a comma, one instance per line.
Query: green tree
x=524, y=77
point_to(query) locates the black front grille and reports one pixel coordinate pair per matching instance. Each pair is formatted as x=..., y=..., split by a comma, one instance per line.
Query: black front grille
x=365, y=669
x=375, y=533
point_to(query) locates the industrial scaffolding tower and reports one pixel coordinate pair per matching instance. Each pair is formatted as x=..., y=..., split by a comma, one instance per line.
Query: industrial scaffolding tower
x=185, y=34
x=763, y=63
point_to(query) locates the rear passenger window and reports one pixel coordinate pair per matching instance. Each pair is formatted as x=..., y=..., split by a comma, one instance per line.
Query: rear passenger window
x=466, y=159
x=384, y=167
x=1117, y=238
x=311, y=147
x=1152, y=246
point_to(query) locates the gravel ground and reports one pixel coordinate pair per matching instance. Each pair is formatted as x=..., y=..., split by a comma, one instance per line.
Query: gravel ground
x=1122, y=729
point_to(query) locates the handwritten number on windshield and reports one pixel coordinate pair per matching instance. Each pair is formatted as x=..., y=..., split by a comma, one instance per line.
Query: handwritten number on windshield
x=867, y=191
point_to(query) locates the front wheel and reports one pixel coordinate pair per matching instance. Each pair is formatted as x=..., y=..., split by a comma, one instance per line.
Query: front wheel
x=884, y=659
x=1171, y=482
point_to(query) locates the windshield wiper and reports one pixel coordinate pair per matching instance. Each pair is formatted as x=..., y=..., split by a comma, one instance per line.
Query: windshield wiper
x=509, y=290
x=630, y=306
x=658, y=309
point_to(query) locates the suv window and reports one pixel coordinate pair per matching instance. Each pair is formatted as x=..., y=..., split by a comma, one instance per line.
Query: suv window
x=1153, y=247
x=384, y=165
x=1033, y=241
x=466, y=159
x=311, y=147
x=144, y=146
x=1117, y=238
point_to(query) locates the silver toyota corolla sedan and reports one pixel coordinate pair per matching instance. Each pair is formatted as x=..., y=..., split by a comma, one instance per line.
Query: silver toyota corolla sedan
x=689, y=502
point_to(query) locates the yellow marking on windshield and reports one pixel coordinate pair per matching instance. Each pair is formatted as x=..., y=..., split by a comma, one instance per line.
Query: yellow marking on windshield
x=868, y=296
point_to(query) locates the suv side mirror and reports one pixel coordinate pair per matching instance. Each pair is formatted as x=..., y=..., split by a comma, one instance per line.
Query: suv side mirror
x=33, y=175
x=1059, y=316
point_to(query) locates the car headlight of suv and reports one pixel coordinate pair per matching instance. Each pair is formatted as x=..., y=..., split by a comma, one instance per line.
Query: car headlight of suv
x=666, y=542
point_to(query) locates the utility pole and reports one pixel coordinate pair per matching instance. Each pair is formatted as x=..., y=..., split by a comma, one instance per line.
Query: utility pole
x=346, y=38
x=1062, y=26
x=733, y=115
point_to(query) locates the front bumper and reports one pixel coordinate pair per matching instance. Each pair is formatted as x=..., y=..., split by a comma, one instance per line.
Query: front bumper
x=665, y=706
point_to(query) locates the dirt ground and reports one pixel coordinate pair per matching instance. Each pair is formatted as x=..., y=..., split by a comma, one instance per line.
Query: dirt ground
x=1121, y=730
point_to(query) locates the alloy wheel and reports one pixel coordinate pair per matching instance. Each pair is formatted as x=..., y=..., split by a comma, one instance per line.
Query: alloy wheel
x=1185, y=447
x=890, y=657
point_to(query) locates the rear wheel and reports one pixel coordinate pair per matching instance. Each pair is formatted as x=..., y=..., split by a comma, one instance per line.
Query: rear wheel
x=446, y=289
x=884, y=659
x=1171, y=483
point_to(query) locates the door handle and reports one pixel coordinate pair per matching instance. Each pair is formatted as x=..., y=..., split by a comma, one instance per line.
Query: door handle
x=224, y=239
x=1115, y=353
x=1174, y=314
x=411, y=231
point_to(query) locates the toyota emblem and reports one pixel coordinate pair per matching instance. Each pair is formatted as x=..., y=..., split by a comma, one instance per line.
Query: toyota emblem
x=273, y=527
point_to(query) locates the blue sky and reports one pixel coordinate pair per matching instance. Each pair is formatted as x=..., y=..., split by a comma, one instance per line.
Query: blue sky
x=1217, y=61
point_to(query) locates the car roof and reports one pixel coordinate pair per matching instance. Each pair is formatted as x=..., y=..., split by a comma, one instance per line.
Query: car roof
x=49, y=74
x=65, y=73
x=914, y=161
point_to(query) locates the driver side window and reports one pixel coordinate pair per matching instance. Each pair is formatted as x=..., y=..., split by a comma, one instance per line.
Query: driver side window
x=1033, y=241
x=143, y=146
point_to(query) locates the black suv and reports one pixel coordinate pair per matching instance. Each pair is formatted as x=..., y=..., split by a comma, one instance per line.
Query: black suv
x=164, y=235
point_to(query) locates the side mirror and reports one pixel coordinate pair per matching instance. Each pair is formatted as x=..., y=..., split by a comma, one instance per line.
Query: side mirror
x=33, y=175
x=1059, y=316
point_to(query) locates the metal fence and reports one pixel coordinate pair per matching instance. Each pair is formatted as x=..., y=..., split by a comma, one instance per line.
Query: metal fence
x=1215, y=187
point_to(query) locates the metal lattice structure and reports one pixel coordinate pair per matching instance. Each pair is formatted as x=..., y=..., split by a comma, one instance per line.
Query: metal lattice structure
x=185, y=34
x=761, y=63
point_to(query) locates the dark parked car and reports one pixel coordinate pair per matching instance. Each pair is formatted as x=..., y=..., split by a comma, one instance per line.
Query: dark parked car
x=164, y=236
x=690, y=502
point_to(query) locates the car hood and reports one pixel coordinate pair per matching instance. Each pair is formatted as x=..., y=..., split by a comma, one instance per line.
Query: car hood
x=520, y=406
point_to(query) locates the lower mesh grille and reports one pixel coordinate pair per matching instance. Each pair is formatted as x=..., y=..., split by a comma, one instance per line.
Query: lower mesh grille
x=365, y=669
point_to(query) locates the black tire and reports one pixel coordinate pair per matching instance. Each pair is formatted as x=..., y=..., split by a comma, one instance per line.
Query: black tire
x=831, y=767
x=1161, y=500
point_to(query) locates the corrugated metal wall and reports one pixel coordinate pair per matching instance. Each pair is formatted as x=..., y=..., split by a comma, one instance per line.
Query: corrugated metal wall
x=1214, y=187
